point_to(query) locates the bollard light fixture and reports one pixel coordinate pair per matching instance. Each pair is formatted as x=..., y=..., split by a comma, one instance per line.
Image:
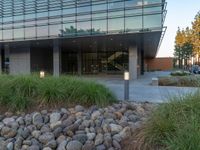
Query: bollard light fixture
x=126, y=85
x=126, y=75
x=42, y=74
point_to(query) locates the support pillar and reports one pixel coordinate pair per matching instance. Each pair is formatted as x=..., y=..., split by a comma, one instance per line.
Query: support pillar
x=133, y=61
x=19, y=58
x=56, y=58
x=79, y=62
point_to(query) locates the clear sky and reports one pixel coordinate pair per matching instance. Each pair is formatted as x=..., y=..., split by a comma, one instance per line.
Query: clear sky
x=180, y=14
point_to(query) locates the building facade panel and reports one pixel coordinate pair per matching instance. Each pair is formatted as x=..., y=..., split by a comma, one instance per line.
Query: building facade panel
x=36, y=19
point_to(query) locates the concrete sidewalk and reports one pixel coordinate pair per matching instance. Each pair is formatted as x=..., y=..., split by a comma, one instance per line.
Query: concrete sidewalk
x=141, y=90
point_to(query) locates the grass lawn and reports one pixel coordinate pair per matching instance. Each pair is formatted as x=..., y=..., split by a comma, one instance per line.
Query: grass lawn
x=20, y=93
x=172, y=126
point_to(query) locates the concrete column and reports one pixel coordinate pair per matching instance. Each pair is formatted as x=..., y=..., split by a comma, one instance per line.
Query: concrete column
x=19, y=59
x=56, y=58
x=133, y=61
x=79, y=59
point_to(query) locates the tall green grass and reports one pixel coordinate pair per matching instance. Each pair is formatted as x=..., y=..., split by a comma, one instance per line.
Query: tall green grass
x=174, y=125
x=20, y=92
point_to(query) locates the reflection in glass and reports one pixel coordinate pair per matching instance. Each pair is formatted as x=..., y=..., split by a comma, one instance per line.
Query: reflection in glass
x=7, y=34
x=116, y=25
x=99, y=26
x=84, y=27
x=19, y=33
x=116, y=5
x=132, y=3
x=30, y=32
x=152, y=21
x=54, y=30
x=69, y=29
x=42, y=31
x=99, y=7
x=133, y=23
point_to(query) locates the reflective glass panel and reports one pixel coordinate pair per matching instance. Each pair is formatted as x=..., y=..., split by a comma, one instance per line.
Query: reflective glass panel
x=18, y=33
x=152, y=21
x=55, y=30
x=116, y=25
x=7, y=34
x=133, y=23
x=68, y=29
x=42, y=31
x=84, y=27
x=30, y=32
x=99, y=26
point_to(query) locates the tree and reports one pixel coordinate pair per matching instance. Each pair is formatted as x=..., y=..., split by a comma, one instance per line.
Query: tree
x=196, y=35
x=183, y=46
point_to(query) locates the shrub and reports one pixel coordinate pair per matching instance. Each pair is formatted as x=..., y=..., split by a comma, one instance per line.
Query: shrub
x=180, y=73
x=174, y=125
x=182, y=81
x=19, y=92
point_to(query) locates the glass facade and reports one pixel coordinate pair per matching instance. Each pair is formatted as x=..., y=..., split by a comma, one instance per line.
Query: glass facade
x=36, y=19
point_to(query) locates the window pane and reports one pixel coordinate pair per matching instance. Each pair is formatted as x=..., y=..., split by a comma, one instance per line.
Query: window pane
x=42, y=31
x=19, y=33
x=1, y=34
x=133, y=23
x=152, y=9
x=152, y=21
x=69, y=11
x=30, y=32
x=99, y=26
x=99, y=7
x=7, y=34
x=132, y=12
x=116, y=5
x=84, y=27
x=146, y=2
x=55, y=30
x=83, y=9
x=69, y=29
x=116, y=14
x=116, y=25
x=132, y=3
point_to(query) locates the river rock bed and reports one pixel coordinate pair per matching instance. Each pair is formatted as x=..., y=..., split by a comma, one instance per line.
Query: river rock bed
x=75, y=128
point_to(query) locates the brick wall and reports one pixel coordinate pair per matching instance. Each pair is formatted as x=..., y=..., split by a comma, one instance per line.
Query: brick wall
x=162, y=64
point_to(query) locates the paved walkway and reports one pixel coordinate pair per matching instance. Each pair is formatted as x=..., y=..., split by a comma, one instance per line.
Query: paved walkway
x=141, y=90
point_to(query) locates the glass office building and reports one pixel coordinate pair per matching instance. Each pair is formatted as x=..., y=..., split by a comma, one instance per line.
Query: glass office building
x=81, y=36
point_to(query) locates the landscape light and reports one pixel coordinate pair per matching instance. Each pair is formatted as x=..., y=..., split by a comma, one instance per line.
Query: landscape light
x=42, y=74
x=126, y=85
x=126, y=75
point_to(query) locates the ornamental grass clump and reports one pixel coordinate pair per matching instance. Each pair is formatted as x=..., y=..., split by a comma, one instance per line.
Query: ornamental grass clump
x=173, y=126
x=23, y=92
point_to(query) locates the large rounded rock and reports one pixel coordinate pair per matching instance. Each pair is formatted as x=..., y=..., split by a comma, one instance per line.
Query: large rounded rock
x=37, y=119
x=99, y=139
x=10, y=146
x=80, y=137
x=79, y=108
x=8, y=132
x=89, y=145
x=74, y=145
x=95, y=115
x=54, y=117
x=115, y=128
x=46, y=137
x=91, y=136
x=62, y=145
x=126, y=132
x=7, y=121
